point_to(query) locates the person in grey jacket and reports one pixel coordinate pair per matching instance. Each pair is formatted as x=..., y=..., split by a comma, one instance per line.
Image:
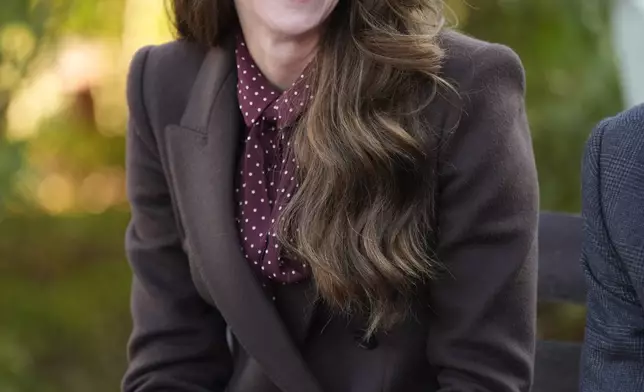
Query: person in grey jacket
x=613, y=255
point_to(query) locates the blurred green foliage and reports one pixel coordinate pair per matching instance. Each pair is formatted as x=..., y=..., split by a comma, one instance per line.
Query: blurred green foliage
x=63, y=279
x=23, y=26
x=572, y=81
x=63, y=303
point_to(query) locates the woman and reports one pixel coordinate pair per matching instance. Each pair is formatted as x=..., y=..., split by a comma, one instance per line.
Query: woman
x=345, y=187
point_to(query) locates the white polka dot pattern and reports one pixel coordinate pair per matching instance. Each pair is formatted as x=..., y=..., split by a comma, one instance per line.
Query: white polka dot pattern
x=266, y=180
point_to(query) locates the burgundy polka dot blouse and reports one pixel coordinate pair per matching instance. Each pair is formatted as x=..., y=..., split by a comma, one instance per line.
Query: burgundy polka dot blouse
x=266, y=178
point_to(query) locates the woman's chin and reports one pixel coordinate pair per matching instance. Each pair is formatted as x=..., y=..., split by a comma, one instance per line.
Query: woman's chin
x=296, y=17
x=294, y=28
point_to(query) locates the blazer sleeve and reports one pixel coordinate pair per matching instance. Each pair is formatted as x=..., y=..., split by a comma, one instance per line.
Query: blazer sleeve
x=613, y=353
x=178, y=342
x=484, y=305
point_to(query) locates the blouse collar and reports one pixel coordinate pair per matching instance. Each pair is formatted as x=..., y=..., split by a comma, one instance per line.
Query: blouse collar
x=259, y=99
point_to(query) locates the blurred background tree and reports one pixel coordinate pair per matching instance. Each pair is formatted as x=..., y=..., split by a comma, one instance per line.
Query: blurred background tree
x=22, y=35
x=64, y=282
x=572, y=81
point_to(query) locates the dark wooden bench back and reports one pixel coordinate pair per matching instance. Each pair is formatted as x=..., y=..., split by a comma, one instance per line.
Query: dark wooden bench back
x=561, y=279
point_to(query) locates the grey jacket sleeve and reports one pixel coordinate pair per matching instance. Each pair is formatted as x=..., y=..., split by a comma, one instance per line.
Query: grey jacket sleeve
x=613, y=256
x=483, y=333
x=178, y=342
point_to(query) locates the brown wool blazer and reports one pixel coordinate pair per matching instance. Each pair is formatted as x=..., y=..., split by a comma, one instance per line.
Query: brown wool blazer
x=474, y=326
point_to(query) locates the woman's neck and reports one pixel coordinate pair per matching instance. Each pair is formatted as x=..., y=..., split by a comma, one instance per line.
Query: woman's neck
x=281, y=58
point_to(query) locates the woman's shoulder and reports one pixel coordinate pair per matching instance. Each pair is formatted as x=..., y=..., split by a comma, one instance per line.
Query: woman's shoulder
x=171, y=62
x=486, y=81
x=472, y=63
x=161, y=77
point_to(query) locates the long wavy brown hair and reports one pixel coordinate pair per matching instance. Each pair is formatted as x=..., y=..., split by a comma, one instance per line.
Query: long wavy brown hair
x=362, y=218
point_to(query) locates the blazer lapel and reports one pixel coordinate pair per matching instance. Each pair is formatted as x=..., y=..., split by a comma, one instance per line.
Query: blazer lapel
x=202, y=156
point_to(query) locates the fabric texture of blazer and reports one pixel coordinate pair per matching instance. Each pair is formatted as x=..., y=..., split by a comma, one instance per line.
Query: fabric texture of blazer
x=613, y=255
x=473, y=330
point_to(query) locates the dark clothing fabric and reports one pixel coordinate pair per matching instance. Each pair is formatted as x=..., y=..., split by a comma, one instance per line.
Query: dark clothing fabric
x=613, y=255
x=473, y=328
x=266, y=175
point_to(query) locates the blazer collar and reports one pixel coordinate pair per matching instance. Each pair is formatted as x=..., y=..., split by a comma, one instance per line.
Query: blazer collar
x=202, y=153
